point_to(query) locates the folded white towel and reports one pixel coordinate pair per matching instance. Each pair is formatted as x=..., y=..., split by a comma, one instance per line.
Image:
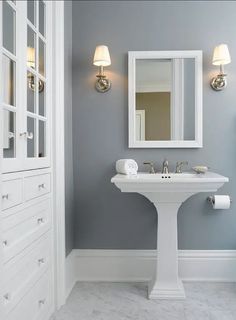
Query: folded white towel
x=126, y=166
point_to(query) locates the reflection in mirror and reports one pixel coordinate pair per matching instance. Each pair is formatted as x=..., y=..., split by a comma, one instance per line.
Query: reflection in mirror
x=31, y=137
x=8, y=26
x=41, y=97
x=41, y=57
x=165, y=99
x=42, y=145
x=8, y=134
x=41, y=17
x=31, y=11
x=30, y=48
x=8, y=84
x=30, y=92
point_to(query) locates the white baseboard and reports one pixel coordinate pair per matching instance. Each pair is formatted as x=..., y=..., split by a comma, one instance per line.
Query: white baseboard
x=71, y=273
x=139, y=266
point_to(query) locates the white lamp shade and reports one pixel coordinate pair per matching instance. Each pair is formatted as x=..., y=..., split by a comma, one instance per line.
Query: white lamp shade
x=31, y=57
x=101, y=56
x=221, y=55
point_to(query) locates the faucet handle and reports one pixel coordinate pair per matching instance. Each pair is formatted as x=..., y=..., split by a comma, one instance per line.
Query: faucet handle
x=179, y=165
x=151, y=164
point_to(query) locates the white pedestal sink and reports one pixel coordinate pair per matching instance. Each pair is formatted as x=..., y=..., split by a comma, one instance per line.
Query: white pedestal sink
x=167, y=192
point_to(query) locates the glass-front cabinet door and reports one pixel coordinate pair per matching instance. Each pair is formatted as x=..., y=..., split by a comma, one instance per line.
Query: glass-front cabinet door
x=26, y=84
x=9, y=90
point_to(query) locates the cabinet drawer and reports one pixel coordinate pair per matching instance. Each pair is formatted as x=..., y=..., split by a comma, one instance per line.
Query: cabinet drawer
x=36, y=302
x=22, y=275
x=11, y=193
x=26, y=226
x=37, y=186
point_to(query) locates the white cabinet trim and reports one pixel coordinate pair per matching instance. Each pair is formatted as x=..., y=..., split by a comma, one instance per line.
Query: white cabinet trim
x=59, y=154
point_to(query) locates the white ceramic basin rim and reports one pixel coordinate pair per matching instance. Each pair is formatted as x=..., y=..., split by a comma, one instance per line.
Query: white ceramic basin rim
x=160, y=177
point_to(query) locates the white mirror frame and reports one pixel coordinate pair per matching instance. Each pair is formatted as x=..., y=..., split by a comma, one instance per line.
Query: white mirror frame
x=135, y=55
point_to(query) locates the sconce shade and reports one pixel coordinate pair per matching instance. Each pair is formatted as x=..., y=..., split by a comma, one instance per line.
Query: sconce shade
x=101, y=56
x=31, y=57
x=221, y=55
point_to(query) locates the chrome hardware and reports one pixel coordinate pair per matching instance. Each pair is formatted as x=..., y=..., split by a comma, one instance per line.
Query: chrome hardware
x=165, y=167
x=41, y=261
x=5, y=196
x=42, y=186
x=211, y=200
x=42, y=302
x=219, y=82
x=11, y=135
x=7, y=296
x=27, y=135
x=151, y=164
x=40, y=220
x=5, y=243
x=179, y=165
x=32, y=85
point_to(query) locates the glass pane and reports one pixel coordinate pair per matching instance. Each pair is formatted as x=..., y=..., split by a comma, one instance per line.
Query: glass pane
x=8, y=71
x=8, y=20
x=30, y=92
x=30, y=137
x=41, y=98
x=41, y=17
x=30, y=48
x=42, y=145
x=41, y=57
x=31, y=11
x=9, y=134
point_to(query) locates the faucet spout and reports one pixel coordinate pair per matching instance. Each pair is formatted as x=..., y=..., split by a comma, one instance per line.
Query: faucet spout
x=165, y=167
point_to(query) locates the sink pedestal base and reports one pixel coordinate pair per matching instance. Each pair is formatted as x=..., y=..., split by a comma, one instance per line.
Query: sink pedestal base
x=165, y=291
x=166, y=283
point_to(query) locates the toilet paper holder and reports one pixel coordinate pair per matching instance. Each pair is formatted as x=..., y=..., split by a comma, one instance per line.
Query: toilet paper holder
x=211, y=199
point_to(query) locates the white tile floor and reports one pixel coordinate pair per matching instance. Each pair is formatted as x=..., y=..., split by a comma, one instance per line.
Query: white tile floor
x=122, y=301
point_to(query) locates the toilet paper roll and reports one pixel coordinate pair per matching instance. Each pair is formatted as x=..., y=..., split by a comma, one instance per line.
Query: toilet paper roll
x=221, y=202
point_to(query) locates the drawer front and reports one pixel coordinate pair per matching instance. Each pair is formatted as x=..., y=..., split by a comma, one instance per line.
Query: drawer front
x=11, y=193
x=20, y=276
x=37, y=186
x=21, y=229
x=36, y=302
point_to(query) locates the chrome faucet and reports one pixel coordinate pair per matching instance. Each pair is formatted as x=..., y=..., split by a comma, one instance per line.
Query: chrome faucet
x=165, y=167
x=179, y=165
x=150, y=163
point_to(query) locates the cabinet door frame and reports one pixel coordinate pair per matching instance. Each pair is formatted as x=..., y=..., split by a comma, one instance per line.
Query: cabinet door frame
x=21, y=161
x=44, y=162
x=13, y=164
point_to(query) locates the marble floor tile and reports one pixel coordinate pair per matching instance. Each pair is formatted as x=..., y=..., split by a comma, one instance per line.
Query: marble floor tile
x=125, y=301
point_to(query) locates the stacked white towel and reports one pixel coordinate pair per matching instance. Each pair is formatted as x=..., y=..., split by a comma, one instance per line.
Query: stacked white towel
x=126, y=166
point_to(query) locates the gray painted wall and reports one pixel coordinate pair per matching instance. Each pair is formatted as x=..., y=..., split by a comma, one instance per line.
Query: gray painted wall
x=69, y=179
x=105, y=217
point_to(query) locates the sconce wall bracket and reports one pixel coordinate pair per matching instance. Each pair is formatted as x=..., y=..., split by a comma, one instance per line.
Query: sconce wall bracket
x=219, y=82
x=31, y=84
x=102, y=84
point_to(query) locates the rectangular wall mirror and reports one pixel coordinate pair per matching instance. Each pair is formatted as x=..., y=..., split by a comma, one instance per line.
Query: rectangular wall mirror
x=165, y=99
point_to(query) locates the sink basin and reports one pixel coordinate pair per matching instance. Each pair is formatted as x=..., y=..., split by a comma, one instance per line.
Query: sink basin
x=167, y=192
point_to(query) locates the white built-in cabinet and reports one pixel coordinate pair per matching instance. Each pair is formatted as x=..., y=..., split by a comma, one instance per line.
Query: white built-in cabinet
x=26, y=221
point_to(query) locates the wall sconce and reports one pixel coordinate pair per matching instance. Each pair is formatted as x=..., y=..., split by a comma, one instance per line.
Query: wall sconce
x=221, y=57
x=102, y=59
x=31, y=64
